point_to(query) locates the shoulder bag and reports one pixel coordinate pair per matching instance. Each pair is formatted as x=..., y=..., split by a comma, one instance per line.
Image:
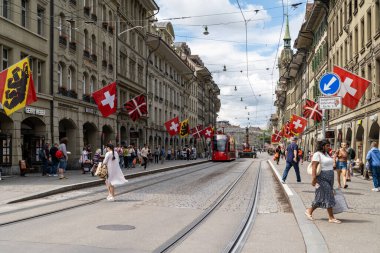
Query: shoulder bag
x=310, y=167
x=102, y=171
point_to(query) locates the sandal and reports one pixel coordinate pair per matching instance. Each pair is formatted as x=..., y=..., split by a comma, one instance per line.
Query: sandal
x=309, y=216
x=335, y=221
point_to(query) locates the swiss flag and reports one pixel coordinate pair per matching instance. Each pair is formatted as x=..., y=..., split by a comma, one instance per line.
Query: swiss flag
x=173, y=126
x=352, y=87
x=106, y=99
x=208, y=132
x=196, y=131
x=297, y=124
x=276, y=137
x=286, y=130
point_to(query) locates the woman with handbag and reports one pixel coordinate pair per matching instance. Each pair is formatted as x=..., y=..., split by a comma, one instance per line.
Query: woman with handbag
x=323, y=183
x=115, y=175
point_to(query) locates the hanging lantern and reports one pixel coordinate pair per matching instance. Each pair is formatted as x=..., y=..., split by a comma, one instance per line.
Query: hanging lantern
x=205, y=32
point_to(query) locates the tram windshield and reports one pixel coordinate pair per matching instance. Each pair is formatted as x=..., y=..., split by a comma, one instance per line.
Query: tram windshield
x=220, y=144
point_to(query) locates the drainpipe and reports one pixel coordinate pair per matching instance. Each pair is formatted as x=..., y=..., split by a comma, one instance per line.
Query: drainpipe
x=51, y=67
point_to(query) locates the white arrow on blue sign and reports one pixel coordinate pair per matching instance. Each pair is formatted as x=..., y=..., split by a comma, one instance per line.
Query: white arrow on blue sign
x=329, y=84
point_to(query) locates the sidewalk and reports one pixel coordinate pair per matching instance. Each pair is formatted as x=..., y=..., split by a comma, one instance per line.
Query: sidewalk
x=15, y=187
x=360, y=228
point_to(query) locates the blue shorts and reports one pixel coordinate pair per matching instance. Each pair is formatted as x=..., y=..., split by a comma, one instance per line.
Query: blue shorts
x=62, y=164
x=341, y=165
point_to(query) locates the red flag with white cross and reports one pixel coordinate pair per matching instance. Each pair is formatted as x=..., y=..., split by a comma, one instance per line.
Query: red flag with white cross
x=173, y=126
x=277, y=136
x=208, y=132
x=136, y=107
x=106, y=99
x=286, y=131
x=352, y=87
x=297, y=124
x=196, y=131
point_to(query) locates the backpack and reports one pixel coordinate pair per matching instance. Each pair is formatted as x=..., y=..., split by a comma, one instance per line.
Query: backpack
x=59, y=154
x=351, y=153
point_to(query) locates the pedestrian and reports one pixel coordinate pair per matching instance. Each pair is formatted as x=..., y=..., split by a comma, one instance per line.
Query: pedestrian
x=84, y=160
x=44, y=158
x=96, y=160
x=162, y=153
x=188, y=152
x=115, y=175
x=351, y=163
x=129, y=152
x=277, y=154
x=119, y=151
x=373, y=158
x=156, y=154
x=62, y=158
x=54, y=160
x=292, y=160
x=169, y=157
x=323, y=183
x=340, y=158
x=144, y=155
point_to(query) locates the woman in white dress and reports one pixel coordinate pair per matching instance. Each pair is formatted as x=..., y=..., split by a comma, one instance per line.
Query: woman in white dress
x=115, y=175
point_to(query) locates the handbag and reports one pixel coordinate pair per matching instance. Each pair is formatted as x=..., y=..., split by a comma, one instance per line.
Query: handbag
x=310, y=168
x=340, y=202
x=102, y=171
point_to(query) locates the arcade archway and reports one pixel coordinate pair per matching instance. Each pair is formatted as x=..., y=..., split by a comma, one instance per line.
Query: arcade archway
x=33, y=131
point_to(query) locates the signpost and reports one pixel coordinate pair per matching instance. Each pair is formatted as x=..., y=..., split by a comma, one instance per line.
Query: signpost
x=329, y=84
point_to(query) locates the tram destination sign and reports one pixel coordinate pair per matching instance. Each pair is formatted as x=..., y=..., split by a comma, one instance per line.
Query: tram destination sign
x=330, y=103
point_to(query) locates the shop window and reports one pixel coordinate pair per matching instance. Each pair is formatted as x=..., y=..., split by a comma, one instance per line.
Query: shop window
x=5, y=149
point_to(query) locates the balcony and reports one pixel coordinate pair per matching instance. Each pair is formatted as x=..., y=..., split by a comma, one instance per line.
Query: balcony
x=86, y=10
x=104, y=64
x=73, y=2
x=72, y=94
x=105, y=25
x=94, y=17
x=62, y=41
x=86, y=54
x=88, y=98
x=62, y=90
x=73, y=46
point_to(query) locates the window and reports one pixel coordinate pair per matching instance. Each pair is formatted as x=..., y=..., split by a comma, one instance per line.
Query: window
x=110, y=55
x=24, y=12
x=5, y=60
x=349, y=10
x=369, y=25
x=356, y=40
x=132, y=68
x=362, y=33
x=59, y=75
x=38, y=76
x=84, y=83
x=123, y=64
x=104, y=14
x=86, y=43
x=6, y=9
x=69, y=79
x=61, y=21
x=93, y=45
x=71, y=31
x=93, y=6
x=92, y=84
x=104, y=51
x=40, y=20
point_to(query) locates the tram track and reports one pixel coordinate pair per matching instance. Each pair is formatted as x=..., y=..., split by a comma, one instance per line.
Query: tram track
x=239, y=236
x=55, y=207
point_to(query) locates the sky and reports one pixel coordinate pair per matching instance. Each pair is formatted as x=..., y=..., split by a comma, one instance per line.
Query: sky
x=252, y=103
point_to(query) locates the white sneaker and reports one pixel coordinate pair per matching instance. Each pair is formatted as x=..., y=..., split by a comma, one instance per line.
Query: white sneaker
x=375, y=189
x=110, y=198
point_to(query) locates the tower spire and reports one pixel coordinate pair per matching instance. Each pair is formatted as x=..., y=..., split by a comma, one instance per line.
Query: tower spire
x=287, y=38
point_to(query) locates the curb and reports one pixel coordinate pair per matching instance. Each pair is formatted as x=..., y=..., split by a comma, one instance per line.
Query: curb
x=313, y=239
x=98, y=182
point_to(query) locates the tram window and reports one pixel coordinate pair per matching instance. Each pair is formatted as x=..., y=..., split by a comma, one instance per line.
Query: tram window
x=220, y=145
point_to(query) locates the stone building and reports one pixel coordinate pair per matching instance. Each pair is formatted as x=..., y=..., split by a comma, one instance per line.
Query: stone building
x=343, y=33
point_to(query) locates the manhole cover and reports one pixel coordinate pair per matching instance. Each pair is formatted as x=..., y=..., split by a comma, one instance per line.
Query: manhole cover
x=116, y=227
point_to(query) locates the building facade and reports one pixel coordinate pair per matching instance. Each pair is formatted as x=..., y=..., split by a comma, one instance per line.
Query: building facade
x=77, y=47
x=341, y=33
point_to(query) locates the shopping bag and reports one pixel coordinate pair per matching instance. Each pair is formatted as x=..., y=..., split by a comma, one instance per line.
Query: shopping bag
x=340, y=202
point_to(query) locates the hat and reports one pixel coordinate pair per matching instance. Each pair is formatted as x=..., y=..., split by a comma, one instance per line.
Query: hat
x=294, y=138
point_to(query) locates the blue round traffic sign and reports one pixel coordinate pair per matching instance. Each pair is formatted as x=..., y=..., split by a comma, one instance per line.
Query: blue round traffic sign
x=329, y=84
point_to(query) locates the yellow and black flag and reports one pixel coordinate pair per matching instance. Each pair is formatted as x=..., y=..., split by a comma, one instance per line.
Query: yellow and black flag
x=184, y=129
x=17, y=87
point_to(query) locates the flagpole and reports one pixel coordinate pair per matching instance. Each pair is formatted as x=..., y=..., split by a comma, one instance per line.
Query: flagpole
x=323, y=124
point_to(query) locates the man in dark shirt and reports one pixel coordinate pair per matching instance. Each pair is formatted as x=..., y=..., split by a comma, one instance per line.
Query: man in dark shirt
x=54, y=159
x=292, y=160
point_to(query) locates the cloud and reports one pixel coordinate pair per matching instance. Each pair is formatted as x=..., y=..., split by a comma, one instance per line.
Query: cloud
x=225, y=45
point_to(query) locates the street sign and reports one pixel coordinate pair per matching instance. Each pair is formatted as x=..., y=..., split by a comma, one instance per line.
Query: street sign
x=329, y=84
x=330, y=103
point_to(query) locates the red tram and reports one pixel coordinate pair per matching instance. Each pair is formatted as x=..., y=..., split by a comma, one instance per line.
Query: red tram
x=223, y=148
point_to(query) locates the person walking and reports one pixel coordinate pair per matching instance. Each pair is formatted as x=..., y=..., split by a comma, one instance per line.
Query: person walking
x=277, y=154
x=156, y=154
x=162, y=154
x=130, y=151
x=291, y=160
x=54, y=160
x=115, y=175
x=323, y=183
x=188, y=152
x=62, y=158
x=340, y=157
x=169, y=157
x=144, y=154
x=44, y=157
x=351, y=163
x=373, y=158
